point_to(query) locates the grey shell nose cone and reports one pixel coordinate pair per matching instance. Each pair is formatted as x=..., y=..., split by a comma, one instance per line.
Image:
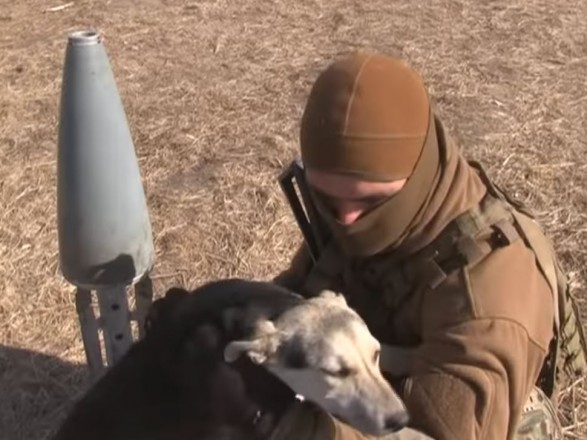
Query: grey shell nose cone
x=104, y=229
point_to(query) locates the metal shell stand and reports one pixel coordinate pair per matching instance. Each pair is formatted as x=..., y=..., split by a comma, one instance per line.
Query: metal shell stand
x=114, y=321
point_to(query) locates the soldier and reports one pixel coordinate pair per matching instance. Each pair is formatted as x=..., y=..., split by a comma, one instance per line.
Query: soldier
x=435, y=258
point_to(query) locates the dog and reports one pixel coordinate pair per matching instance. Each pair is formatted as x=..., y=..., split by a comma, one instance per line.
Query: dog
x=226, y=360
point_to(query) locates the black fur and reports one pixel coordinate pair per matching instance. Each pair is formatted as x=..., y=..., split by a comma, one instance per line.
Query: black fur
x=294, y=357
x=174, y=384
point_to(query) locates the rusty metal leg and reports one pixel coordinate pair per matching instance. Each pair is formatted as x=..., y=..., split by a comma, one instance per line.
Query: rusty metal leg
x=115, y=320
x=144, y=299
x=89, y=330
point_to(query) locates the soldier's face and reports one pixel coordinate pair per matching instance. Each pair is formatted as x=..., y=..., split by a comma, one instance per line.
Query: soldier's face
x=349, y=197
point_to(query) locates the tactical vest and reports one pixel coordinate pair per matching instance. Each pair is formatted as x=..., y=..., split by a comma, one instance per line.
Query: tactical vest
x=496, y=222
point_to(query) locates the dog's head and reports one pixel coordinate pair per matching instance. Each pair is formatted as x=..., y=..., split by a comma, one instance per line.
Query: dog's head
x=187, y=337
x=324, y=351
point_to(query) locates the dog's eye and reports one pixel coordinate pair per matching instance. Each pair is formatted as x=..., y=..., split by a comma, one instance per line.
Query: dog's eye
x=341, y=372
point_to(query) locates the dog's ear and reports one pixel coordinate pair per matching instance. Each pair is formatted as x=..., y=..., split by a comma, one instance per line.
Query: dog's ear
x=262, y=346
x=331, y=295
x=162, y=307
x=175, y=293
x=203, y=340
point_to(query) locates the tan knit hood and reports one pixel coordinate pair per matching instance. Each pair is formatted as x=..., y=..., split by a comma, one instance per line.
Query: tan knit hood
x=369, y=115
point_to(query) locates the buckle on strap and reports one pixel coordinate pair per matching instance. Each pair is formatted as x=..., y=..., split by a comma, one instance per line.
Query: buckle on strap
x=473, y=250
x=505, y=232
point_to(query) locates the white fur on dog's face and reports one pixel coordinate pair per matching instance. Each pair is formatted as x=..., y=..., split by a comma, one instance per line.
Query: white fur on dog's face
x=346, y=381
x=325, y=352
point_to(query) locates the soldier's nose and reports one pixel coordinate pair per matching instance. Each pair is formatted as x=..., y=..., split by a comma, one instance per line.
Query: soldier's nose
x=348, y=215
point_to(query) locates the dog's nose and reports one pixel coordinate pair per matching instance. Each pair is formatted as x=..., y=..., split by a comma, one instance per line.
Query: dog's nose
x=397, y=422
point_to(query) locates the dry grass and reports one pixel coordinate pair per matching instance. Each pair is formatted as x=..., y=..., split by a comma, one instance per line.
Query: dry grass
x=213, y=91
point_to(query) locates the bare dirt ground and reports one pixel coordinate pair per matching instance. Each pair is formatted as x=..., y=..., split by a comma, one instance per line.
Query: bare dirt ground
x=213, y=91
